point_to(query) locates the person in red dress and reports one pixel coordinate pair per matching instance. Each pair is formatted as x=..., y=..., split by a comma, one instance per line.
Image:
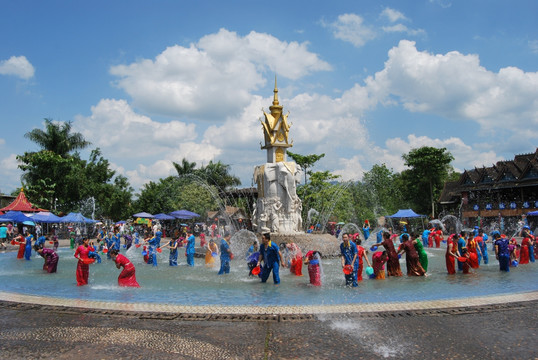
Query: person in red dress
x=473, y=250
x=411, y=257
x=525, y=247
x=438, y=238
x=313, y=260
x=83, y=268
x=296, y=266
x=361, y=254
x=19, y=240
x=393, y=263
x=127, y=276
x=378, y=260
x=451, y=255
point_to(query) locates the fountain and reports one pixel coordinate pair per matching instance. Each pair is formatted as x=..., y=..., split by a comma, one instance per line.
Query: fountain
x=278, y=209
x=199, y=285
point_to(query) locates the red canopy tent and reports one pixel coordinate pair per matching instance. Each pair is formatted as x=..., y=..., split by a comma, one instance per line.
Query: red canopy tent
x=21, y=203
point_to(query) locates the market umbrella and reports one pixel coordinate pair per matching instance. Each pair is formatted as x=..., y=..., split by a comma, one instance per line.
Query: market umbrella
x=143, y=215
x=184, y=214
x=75, y=218
x=15, y=216
x=46, y=217
x=163, y=217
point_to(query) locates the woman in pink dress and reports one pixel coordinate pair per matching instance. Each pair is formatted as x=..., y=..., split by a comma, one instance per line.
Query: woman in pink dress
x=83, y=267
x=128, y=274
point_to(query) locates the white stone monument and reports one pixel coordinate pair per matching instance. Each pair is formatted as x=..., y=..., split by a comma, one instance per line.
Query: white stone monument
x=278, y=208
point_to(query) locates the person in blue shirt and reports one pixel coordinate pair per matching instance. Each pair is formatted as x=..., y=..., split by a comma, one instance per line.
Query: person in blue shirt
x=225, y=254
x=153, y=243
x=501, y=252
x=348, y=254
x=158, y=236
x=108, y=243
x=190, y=248
x=425, y=236
x=40, y=242
x=116, y=241
x=366, y=229
x=172, y=258
x=271, y=257
x=28, y=247
x=3, y=235
x=379, y=236
x=462, y=244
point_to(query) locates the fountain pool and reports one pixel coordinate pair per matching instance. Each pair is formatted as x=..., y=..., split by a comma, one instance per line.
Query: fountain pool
x=199, y=285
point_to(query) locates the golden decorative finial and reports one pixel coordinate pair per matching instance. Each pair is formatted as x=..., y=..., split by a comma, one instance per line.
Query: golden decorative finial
x=275, y=98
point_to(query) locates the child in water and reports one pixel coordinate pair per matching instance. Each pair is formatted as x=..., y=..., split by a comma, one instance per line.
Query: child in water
x=378, y=263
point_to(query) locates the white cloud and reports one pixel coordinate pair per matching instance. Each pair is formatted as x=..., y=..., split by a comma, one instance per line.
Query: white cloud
x=11, y=175
x=114, y=126
x=17, y=66
x=351, y=169
x=351, y=28
x=393, y=15
x=404, y=29
x=465, y=156
x=215, y=76
x=455, y=86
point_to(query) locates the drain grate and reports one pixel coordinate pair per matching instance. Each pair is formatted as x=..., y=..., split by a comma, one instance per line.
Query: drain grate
x=264, y=317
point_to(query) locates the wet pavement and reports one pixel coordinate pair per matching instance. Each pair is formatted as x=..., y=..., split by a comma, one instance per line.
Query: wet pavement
x=506, y=331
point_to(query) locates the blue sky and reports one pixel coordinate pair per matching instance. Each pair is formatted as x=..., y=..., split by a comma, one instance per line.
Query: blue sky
x=364, y=81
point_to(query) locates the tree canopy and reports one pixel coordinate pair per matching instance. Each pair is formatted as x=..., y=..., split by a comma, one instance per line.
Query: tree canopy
x=429, y=168
x=56, y=177
x=305, y=161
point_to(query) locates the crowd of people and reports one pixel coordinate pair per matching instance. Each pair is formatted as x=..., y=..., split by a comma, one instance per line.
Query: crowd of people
x=464, y=252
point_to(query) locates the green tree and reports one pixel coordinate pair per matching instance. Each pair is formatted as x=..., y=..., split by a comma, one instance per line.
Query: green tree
x=58, y=138
x=327, y=196
x=305, y=161
x=429, y=168
x=175, y=193
x=185, y=167
x=218, y=174
x=56, y=178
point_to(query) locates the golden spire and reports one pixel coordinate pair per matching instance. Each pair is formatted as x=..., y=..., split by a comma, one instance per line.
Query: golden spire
x=275, y=98
x=276, y=109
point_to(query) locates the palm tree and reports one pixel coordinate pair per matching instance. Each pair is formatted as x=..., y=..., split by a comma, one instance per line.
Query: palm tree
x=218, y=174
x=57, y=138
x=185, y=168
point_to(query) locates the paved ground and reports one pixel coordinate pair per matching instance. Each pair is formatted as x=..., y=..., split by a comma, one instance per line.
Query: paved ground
x=504, y=331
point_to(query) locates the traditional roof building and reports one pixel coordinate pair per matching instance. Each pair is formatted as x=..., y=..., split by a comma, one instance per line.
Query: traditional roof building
x=21, y=203
x=505, y=189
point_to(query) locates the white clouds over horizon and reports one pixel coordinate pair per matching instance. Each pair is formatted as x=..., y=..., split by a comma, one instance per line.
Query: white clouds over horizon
x=215, y=76
x=456, y=86
x=451, y=85
x=18, y=66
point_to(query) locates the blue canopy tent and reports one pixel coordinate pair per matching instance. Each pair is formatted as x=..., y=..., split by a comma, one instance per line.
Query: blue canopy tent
x=407, y=214
x=76, y=218
x=163, y=217
x=46, y=217
x=16, y=217
x=144, y=215
x=184, y=214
